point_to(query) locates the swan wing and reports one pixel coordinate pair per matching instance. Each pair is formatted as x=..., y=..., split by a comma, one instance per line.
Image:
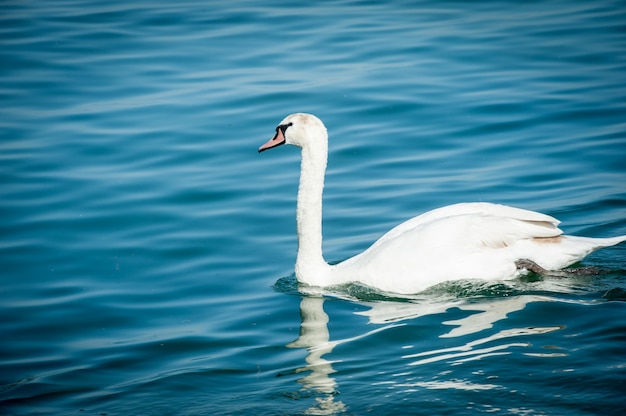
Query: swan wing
x=484, y=230
x=492, y=224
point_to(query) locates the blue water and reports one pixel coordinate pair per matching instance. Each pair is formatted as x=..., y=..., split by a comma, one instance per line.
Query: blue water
x=147, y=250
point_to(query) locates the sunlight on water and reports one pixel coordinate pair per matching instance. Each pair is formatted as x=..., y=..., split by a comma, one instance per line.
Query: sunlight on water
x=487, y=313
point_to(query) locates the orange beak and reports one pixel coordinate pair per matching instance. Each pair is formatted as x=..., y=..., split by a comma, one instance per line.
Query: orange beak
x=277, y=140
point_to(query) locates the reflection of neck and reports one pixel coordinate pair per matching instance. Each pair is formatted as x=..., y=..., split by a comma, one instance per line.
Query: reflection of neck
x=311, y=268
x=314, y=336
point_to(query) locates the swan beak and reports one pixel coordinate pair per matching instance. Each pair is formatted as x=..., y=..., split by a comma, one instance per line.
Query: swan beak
x=277, y=140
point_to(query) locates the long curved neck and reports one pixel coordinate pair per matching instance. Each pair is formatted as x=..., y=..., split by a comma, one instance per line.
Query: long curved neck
x=311, y=268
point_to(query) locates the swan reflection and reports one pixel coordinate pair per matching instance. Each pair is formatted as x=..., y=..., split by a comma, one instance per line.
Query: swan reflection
x=489, y=312
x=315, y=338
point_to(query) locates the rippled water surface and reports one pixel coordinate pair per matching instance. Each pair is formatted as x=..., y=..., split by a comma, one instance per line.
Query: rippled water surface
x=147, y=250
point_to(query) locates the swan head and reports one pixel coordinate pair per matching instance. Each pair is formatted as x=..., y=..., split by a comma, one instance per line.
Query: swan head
x=299, y=129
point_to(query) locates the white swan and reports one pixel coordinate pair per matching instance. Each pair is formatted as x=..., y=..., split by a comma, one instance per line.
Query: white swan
x=461, y=241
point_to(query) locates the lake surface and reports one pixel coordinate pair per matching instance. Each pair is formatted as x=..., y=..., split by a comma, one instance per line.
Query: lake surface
x=147, y=249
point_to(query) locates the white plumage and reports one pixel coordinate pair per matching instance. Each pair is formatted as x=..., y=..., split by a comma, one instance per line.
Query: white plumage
x=461, y=241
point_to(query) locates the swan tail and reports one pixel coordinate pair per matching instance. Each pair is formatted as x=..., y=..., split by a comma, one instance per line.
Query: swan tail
x=582, y=246
x=562, y=251
x=598, y=243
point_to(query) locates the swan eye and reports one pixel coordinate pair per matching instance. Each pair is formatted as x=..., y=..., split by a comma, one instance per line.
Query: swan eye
x=283, y=127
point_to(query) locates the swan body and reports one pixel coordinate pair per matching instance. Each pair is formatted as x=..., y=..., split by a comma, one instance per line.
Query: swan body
x=460, y=241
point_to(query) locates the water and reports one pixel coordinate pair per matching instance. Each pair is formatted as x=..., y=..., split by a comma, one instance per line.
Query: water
x=147, y=250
